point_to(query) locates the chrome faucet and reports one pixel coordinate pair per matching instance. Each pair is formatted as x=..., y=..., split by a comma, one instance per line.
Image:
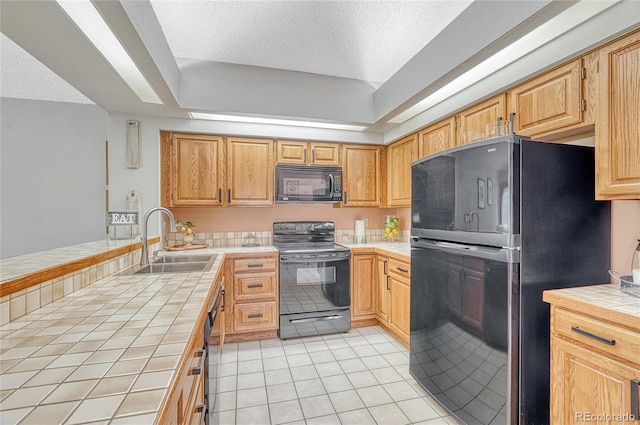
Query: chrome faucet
x=144, y=260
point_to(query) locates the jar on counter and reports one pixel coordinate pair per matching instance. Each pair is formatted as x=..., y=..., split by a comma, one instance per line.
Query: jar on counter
x=391, y=228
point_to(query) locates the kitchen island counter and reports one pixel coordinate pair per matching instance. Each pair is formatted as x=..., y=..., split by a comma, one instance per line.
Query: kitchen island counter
x=108, y=352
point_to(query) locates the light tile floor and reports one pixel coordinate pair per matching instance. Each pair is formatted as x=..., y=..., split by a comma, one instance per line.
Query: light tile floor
x=361, y=377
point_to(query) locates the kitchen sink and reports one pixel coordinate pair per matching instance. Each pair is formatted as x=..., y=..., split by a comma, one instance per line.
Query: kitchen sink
x=189, y=258
x=174, y=264
x=172, y=267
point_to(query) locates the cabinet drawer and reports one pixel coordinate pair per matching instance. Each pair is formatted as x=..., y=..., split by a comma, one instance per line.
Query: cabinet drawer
x=254, y=264
x=255, y=316
x=597, y=334
x=399, y=267
x=251, y=286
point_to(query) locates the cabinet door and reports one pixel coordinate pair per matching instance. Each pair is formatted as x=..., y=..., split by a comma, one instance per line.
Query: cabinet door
x=250, y=172
x=617, y=141
x=400, y=155
x=549, y=103
x=325, y=154
x=291, y=152
x=361, y=175
x=382, y=290
x=587, y=383
x=363, y=304
x=196, y=170
x=400, y=301
x=437, y=137
x=472, y=123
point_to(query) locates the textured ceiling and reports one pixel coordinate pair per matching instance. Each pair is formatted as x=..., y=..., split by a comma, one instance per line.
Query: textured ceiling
x=24, y=77
x=364, y=40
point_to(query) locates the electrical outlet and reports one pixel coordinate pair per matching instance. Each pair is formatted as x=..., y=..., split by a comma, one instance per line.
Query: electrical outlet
x=366, y=222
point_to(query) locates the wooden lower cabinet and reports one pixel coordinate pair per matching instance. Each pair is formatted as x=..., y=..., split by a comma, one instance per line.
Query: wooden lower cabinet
x=383, y=287
x=380, y=293
x=363, y=308
x=253, y=296
x=595, y=370
x=255, y=316
x=399, y=293
x=189, y=389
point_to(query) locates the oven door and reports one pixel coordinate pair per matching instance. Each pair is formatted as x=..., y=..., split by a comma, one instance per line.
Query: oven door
x=314, y=294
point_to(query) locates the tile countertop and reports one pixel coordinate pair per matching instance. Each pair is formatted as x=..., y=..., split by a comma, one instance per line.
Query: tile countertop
x=603, y=301
x=107, y=353
x=401, y=248
x=11, y=268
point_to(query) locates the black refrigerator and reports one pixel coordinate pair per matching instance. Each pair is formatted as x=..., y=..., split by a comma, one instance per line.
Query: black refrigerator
x=493, y=224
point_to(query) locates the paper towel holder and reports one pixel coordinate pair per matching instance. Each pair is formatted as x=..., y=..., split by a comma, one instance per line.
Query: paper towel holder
x=359, y=235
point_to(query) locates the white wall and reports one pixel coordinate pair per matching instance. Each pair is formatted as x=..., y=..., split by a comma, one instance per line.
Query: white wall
x=52, y=175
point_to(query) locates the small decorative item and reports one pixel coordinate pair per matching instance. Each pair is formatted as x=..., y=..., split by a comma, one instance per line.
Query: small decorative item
x=489, y=192
x=482, y=188
x=391, y=228
x=187, y=228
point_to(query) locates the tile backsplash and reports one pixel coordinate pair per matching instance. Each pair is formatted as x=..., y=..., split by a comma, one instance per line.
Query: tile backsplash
x=237, y=239
x=222, y=239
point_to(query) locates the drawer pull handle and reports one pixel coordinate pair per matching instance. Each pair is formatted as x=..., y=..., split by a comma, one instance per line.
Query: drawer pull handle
x=255, y=285
x=635, y=409
x=402, y=270
x=256, y=316
x=592, y=336
x=203, y=412
x=255, y=265
x=198, y=369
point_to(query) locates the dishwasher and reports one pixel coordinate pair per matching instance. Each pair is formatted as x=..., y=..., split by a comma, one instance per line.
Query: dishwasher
x=213, y=339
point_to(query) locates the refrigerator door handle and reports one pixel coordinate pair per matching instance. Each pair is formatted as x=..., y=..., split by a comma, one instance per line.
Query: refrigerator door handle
x=504, y=255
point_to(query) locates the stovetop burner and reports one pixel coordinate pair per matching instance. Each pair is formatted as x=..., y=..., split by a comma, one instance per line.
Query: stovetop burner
x=306, y=237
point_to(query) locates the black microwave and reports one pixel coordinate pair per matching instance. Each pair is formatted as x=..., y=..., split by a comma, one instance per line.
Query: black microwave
x=300, y=183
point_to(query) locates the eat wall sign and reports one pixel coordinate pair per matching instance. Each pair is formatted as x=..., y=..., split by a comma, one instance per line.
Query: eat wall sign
x=115, y=218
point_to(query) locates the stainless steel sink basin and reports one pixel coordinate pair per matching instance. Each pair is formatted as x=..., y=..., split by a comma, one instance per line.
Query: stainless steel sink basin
x=172, y=267
x=187, y=258
x=174, y=264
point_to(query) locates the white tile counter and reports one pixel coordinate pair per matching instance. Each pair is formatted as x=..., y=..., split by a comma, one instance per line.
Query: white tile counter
x=106, y=353
x=400, y=248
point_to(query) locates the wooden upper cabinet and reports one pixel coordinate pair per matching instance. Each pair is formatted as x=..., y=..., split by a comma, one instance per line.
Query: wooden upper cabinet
x=472, y=123
x=400, y=155
x=307, y=153
x=436, y=138
x=361, y=175
x=250, y=167
x=192, y=169
x=551, y=102
x=617, y=140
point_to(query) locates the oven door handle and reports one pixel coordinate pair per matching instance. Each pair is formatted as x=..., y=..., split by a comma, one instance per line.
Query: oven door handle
x=296, y=259
x=317, y=319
